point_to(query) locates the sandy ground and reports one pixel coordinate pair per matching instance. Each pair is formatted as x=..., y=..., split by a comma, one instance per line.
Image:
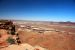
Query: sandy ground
x=4, y=35
x=51, y=41
x=3, y=38
x=22, y=47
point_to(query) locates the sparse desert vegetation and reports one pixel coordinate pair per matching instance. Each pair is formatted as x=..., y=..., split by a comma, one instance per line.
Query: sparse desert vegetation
x=49, y=36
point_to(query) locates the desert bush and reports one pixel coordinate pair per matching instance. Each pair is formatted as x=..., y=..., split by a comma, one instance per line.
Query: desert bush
x=11, y=40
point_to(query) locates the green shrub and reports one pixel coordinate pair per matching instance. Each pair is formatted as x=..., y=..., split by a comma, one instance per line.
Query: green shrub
x=11, y=40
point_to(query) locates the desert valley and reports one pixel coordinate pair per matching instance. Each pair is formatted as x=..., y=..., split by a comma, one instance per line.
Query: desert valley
x=36, y=35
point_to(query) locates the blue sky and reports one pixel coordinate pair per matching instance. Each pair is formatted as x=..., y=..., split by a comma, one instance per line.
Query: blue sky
x=41, y=10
